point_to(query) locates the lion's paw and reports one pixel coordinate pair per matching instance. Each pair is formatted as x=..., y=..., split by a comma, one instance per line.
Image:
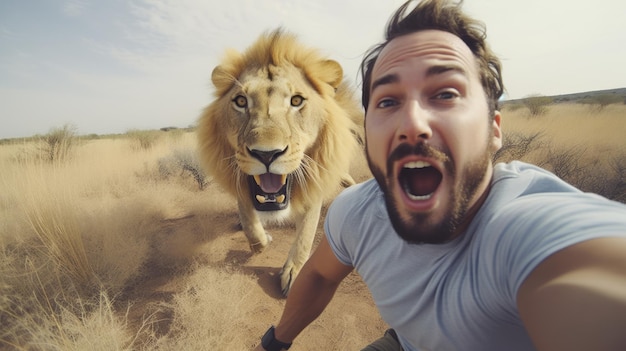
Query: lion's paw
x=287, y=276
x=259, y=246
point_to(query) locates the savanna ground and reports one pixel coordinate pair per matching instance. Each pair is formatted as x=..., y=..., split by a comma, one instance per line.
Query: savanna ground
x=121, y=243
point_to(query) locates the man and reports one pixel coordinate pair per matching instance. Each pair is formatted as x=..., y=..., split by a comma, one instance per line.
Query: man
x=457, y=253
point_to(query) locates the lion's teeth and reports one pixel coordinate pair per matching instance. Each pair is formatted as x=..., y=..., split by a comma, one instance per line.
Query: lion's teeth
x=283, y=179
x=257, y=179
x=260, y=199
x=280, y=199
x=416, y=164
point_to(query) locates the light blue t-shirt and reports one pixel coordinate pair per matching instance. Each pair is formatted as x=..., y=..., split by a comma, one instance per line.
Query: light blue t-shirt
x=461, y=295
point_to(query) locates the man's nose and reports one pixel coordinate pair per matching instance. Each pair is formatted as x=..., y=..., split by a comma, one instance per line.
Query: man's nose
x=415, y=123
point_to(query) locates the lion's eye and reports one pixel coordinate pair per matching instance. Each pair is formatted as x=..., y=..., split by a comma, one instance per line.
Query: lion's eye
x=241, y=101
x=297, y=100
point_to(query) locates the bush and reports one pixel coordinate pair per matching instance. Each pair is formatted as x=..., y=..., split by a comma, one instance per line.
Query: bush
x=143, y=139
x=566, y=164
x=599, y=102
x=515, y=146
x=58, y=143
x=183, y=161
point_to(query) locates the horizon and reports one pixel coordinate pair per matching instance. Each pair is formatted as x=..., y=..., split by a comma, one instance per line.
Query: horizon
x=191, y=126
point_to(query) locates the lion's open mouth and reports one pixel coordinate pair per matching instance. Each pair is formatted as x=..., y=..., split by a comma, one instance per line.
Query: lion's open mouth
x=270, y=192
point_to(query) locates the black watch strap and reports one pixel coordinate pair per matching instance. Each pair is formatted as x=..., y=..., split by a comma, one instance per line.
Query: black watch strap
x=270, y=343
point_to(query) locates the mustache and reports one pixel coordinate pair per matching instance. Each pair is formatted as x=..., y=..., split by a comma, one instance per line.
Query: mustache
x=421, y=149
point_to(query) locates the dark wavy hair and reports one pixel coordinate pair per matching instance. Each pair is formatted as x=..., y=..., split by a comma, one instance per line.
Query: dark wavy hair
x=447, y=16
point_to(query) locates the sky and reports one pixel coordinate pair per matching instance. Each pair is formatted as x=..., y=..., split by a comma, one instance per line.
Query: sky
x=110, y=66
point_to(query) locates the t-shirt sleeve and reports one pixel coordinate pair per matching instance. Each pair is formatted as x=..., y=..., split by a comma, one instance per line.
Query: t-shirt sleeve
x=536, y=226
x=335, y=220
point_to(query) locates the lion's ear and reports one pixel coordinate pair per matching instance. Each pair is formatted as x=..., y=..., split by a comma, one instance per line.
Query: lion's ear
x=222, y=80
x=329, y=71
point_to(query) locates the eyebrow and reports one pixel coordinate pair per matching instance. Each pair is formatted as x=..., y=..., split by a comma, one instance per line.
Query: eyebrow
x=386, y=79
x=432, y=71
x=440, y=69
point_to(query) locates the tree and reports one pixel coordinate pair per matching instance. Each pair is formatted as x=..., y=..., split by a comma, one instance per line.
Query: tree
x=537, y=104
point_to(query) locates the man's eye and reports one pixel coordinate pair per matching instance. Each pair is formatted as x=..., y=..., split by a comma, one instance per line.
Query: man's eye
x=386, y=103
x=446, y=95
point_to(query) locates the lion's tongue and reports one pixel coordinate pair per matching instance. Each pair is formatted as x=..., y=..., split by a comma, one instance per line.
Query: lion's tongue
x=271, y=183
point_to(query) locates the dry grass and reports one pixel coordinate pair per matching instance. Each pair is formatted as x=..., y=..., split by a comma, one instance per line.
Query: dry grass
x=582, y=145
x=568, y=125
x=74, y=235
x=90, y=246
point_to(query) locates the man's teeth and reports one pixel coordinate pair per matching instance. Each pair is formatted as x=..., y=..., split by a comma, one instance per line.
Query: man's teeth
x=416, y=164
x=416, y=197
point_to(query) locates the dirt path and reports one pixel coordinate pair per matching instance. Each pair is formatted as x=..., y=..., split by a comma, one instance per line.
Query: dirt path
x=214, y=238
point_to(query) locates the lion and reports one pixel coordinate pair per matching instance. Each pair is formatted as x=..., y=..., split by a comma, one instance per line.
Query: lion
x=280, y=136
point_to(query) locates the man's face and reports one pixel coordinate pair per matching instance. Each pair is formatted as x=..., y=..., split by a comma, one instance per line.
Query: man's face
x=428, y=135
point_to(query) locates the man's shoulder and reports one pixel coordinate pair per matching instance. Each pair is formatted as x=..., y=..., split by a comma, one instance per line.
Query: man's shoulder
x=358, y=201
x=366, y=190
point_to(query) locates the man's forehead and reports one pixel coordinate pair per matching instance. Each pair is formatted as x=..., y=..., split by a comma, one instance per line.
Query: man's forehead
x=434, y=43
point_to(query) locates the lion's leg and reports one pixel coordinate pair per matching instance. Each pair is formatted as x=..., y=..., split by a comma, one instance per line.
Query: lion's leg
x=306, y=226
x=252, y=227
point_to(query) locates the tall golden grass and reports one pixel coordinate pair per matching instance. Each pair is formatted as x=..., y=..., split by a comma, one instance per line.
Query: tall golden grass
x=579, y=143
x=89, y=244
x=74, y=234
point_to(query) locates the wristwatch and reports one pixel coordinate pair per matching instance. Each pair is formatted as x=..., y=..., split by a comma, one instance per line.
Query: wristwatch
x=270, y=343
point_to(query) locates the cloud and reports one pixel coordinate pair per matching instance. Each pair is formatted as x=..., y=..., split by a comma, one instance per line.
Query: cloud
x=74, y=8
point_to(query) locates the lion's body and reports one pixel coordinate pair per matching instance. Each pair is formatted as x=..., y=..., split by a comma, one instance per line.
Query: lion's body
x=283, y=114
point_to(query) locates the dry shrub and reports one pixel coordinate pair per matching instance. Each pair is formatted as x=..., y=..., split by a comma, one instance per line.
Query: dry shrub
x=81, y=326
x=58, y=143
x=143, y=139
x=212, y=311
x=183, y=162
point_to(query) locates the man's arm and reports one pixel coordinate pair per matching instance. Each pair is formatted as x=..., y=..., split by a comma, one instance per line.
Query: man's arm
x=576, y=298
x=311, y=292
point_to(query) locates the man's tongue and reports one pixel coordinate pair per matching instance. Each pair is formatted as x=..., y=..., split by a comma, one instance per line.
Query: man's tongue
x=422, y=181
x=271, y=183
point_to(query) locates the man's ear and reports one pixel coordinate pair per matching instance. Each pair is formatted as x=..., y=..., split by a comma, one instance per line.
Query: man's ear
x=496, y=141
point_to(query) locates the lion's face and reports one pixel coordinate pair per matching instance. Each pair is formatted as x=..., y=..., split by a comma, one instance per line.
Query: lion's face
x=271, y=127
x=280, y=132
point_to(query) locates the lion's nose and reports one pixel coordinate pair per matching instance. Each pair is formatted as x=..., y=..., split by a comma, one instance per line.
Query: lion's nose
x=267, y=157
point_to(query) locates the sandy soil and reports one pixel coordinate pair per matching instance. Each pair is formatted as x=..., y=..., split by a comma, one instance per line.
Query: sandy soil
x=214, y=238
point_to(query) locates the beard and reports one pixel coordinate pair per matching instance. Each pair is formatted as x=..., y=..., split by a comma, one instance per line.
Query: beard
x=421, y=228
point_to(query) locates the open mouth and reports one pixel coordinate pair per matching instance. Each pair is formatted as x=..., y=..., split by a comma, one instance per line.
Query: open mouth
x=269, y=191
x=419, y=180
